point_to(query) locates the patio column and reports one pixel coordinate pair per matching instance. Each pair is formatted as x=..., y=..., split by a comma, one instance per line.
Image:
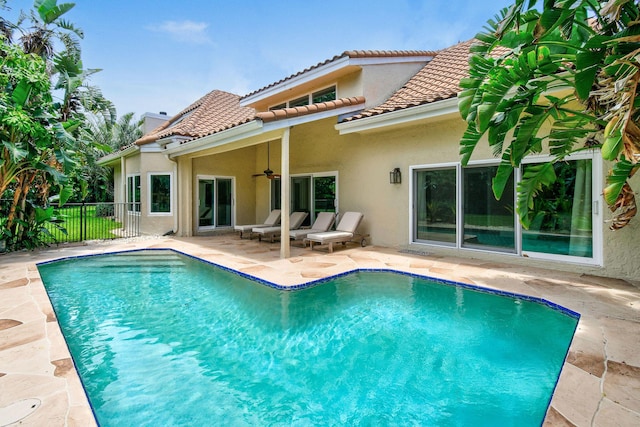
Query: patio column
x=285, y=197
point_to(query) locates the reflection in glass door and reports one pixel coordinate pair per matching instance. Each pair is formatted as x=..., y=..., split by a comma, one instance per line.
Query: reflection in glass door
x=488, y=223
x=214, y=202
x=324, y=194
x=309, y=193
x=223, y=208
x=205, y=204
x=301, y=196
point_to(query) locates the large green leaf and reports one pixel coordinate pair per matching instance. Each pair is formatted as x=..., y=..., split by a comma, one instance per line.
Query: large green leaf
x=16, y=152
x=43, y=215
x=66, y=192
x=616, y=179
x=587, y=66
x=21, y=93
x=483, y=118
x=502, y=177
x=468, y=143
x=612, y=145
x=526, y=138
x=534, y=179
x=49, y=10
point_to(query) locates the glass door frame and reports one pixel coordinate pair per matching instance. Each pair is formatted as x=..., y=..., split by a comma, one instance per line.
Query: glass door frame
x=215, y=179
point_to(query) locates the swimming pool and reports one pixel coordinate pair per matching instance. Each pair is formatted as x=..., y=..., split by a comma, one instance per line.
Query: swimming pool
x=160, y=338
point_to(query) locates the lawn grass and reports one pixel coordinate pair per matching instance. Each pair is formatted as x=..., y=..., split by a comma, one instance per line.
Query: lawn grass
x=94, y=227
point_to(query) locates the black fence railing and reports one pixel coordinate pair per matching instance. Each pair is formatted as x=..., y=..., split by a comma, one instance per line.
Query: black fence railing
x=78, y=222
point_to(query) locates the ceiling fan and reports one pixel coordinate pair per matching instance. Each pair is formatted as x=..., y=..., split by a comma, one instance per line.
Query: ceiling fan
x=268, y=172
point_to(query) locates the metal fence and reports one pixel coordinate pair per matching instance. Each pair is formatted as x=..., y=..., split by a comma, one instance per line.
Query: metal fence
x=78, y=222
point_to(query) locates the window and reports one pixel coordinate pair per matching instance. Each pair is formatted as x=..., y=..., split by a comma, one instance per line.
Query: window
x=299, y=102
x=455, y=206
x=324, y=95
x=160, y=193
x=328, y=94
x=133, y=193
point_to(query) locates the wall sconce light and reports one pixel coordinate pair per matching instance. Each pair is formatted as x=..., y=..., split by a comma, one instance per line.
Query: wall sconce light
x=395, y=177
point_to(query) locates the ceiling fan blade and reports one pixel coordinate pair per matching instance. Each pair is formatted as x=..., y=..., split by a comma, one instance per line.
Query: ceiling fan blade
x=267, y=172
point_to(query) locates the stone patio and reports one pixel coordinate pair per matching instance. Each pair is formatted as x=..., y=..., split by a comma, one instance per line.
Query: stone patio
x=599, y=384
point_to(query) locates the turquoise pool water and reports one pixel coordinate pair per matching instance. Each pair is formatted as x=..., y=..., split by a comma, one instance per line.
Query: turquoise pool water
x=160, y=338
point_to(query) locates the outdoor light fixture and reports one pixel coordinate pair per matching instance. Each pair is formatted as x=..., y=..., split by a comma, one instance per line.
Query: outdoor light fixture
x=395, y=177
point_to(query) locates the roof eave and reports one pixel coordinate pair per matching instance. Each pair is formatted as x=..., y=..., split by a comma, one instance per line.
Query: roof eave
x=113, y=158
x=246, y=130
x=404, y=117
x=163, y=142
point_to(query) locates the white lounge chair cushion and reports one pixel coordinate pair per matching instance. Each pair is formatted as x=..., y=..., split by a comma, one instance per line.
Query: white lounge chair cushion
x=323, y=222
x=272, y=219
x=349, y=222
x=295, y=221
x=248, y=227
x=330, y=236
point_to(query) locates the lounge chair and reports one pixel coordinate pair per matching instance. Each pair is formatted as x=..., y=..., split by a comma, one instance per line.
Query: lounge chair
x=345, y=231
x=295, y=221
x=323, y=223
x=272, y=220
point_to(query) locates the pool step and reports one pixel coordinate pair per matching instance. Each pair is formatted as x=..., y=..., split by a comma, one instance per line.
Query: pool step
x=138, y=259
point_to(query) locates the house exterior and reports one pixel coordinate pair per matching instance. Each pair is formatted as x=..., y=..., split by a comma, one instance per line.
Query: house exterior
x=333, y=134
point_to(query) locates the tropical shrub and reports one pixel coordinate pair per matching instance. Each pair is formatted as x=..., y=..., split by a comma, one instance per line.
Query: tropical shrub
x=563, y=76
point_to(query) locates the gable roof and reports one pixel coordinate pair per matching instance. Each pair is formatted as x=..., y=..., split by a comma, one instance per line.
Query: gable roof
x=350, y=54
x=436, y=81
x=214, y=112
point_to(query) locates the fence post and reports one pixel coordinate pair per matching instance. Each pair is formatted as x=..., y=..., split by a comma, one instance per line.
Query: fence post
x=82, y=222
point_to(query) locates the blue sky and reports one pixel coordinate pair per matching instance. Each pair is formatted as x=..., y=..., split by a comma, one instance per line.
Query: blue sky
x=163, y=55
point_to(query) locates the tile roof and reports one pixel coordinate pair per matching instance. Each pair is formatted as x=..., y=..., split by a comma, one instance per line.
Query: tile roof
x=287, y=113
x=438, y=80
x=214, y=112
x=352, y=54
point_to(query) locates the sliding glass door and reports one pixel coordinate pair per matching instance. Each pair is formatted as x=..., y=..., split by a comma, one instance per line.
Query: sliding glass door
x=563, y=224
x=487, y=223
x=313, y=193
x=455, y=206
x=215, y=202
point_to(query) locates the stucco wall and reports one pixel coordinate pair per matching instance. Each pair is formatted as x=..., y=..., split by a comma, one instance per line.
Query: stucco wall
x=118, y=188
x=382, y=81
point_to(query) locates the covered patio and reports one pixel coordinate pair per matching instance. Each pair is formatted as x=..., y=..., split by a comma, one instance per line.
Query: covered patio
x=599, y=384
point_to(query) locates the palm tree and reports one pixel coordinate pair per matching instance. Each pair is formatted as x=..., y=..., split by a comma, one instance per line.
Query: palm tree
x=47, y=27
x=127, y=131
